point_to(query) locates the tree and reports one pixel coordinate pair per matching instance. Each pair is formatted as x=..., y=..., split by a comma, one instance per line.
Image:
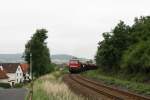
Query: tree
x=104, y=56
x=126, y=49
x=40, y=53
x=111, y=48
x=137, y=57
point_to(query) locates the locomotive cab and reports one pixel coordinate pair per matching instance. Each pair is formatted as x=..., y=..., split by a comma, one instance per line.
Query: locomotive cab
x=74, y=65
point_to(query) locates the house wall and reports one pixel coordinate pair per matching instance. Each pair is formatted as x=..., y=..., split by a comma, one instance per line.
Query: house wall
x=19, y=75
x=3, y=80
x=11, y=79
x=1, y=67
x=16, y=77
x=11, y=76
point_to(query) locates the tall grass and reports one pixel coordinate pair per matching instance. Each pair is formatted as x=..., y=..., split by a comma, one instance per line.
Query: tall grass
x=51, y=87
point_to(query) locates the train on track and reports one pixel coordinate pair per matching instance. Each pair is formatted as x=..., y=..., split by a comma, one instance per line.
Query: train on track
x=76, y=65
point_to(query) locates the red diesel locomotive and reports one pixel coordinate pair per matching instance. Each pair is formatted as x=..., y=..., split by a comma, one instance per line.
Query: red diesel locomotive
x=75, y=65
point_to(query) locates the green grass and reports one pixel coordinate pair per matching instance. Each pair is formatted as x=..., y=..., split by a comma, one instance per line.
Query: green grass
x=40, y=94
x=138, y=87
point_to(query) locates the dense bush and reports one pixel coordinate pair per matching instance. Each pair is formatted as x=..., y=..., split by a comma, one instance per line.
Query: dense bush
x=18, y=85
x=52, y=68
x=5, y=85
x=137, y=58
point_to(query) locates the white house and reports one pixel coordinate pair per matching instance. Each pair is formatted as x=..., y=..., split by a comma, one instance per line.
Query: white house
x=26, y=73
x=14, y=72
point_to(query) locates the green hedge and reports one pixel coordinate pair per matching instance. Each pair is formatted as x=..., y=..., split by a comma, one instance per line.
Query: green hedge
x=18, y=85
x=5, y=85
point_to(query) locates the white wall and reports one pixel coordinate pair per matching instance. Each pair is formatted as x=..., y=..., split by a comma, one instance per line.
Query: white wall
x=19, y=75
x=11, y=76
x=1, y=67
x=3, y=80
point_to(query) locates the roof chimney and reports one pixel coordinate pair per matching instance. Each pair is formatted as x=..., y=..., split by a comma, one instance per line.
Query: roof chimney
x=1, y=68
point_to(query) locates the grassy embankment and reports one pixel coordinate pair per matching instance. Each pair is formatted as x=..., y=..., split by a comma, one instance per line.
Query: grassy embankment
x=116, y=80
x=51, y=87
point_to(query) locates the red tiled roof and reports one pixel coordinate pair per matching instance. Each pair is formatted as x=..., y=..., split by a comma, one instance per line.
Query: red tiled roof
x=10, y=67
x=3, y=75
x=24, y=67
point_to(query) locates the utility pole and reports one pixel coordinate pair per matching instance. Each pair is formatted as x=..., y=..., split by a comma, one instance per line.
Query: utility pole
x=31, y=76
x=31, y=66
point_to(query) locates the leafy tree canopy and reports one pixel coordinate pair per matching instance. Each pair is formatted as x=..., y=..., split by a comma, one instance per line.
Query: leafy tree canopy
x=126, y=47
x=40, y=53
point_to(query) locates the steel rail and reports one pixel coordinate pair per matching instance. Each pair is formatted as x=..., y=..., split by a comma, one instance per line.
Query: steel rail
x=130, y=94
x=113, y=97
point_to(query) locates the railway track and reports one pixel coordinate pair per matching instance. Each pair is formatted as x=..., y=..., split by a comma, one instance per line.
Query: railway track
x=101, y=89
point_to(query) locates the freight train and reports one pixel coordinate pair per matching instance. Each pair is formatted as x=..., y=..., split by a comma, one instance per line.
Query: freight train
x=76, y=65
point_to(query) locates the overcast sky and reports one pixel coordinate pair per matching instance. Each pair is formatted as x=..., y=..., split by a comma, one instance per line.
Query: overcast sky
x=75, y=26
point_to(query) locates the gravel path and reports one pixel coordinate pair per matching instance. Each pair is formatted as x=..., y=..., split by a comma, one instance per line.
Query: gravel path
x=13, y=94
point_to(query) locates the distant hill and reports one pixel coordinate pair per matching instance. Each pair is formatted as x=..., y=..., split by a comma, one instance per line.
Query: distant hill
x=61, y=58
x=11, y=58
x=17, y=58
x=64, y=58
